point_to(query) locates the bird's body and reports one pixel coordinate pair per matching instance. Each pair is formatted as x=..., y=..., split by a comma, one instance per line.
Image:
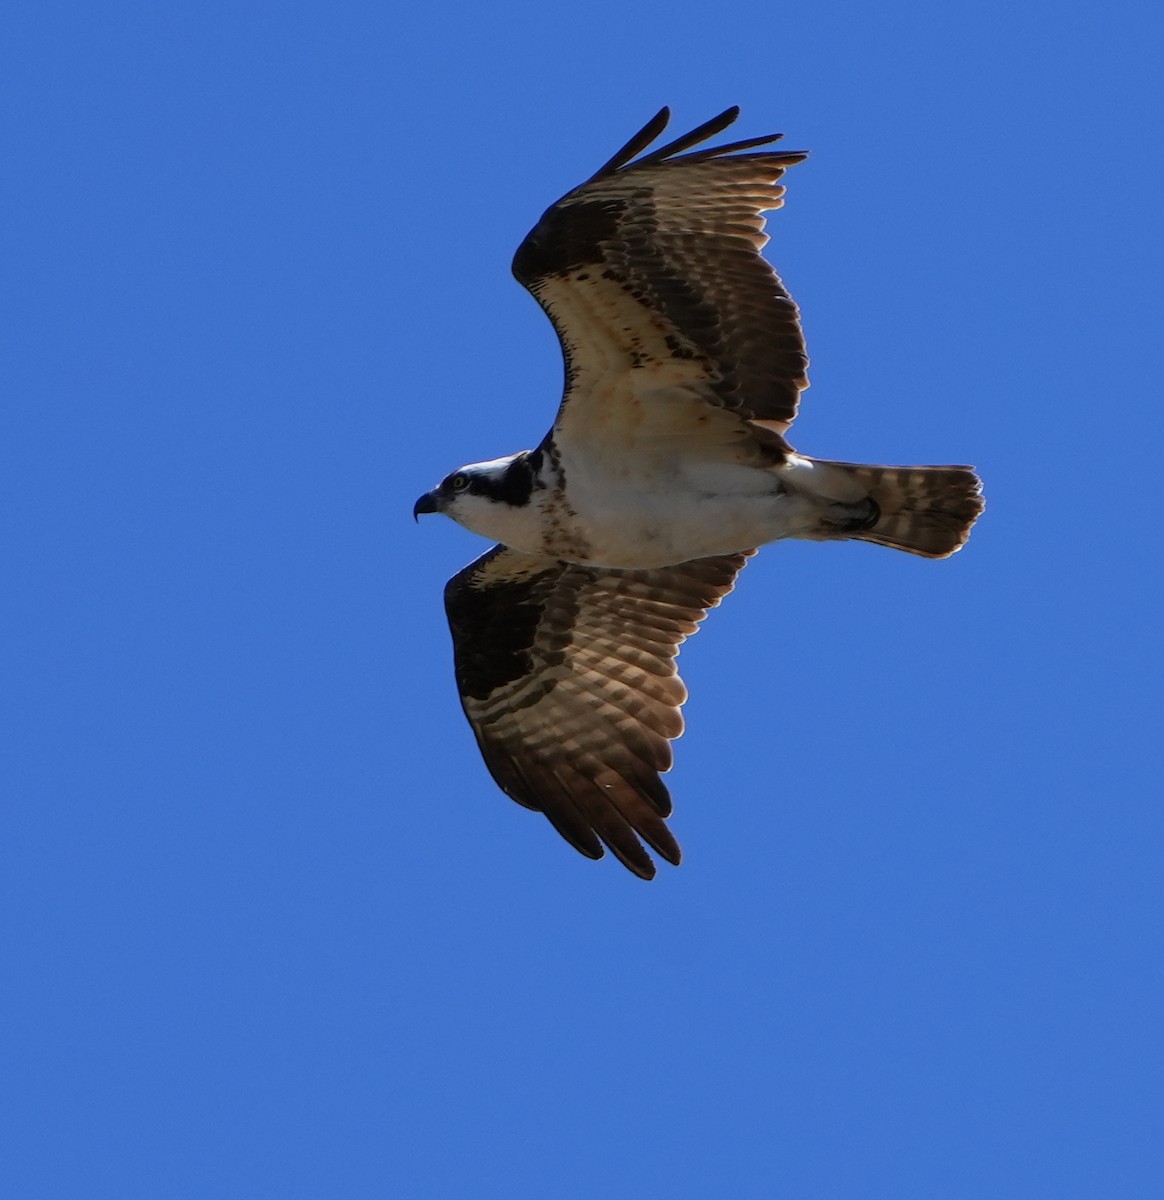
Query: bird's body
x=666, y=466
x=652, y=509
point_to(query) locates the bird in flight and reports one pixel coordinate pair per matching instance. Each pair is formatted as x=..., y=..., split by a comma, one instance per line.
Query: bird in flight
x=666, y=467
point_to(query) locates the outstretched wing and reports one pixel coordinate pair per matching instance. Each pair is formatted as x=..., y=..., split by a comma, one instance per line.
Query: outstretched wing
x=567, y=675
x=651, y=271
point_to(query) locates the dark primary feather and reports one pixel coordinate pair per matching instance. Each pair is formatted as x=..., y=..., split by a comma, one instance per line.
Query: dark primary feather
x=667, y=248
x=638, y=143
x=702, y=133
x=567, y=675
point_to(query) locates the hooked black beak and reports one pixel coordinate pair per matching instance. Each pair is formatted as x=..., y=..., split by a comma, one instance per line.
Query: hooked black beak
x=426, y=504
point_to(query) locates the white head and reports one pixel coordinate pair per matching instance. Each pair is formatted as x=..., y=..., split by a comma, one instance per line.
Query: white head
x=493, y=499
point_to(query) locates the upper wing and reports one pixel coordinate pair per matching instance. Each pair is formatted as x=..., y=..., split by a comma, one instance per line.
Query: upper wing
x=653, y=266
x=567, y=675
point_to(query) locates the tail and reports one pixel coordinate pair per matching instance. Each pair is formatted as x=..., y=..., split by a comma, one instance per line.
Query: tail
x=925, y=510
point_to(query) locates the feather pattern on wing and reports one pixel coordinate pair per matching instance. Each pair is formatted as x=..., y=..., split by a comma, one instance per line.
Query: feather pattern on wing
x=653, y=266
x=567, y=675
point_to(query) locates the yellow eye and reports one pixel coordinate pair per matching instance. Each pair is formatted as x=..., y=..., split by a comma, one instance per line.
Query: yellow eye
x=459, y=482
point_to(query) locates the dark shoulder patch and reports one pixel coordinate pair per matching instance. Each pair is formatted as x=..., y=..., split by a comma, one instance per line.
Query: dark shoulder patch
x=569, y=236
x=494, y=623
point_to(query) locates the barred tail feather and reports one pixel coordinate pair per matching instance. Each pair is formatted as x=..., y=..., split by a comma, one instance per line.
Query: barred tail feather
x=924, y=510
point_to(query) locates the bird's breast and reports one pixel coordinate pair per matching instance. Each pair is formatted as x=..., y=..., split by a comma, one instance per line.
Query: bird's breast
x=637, y=524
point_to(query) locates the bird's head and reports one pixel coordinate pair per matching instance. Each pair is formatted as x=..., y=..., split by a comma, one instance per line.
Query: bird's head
x=490, y=498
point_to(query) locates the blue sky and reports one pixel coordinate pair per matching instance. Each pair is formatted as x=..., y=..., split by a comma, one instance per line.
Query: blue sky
x=269, y=929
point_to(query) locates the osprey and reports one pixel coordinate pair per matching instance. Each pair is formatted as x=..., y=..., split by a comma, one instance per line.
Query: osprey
x=665, y=467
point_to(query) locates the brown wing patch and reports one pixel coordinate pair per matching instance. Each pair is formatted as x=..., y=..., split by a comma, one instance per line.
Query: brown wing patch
x=567, y=676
